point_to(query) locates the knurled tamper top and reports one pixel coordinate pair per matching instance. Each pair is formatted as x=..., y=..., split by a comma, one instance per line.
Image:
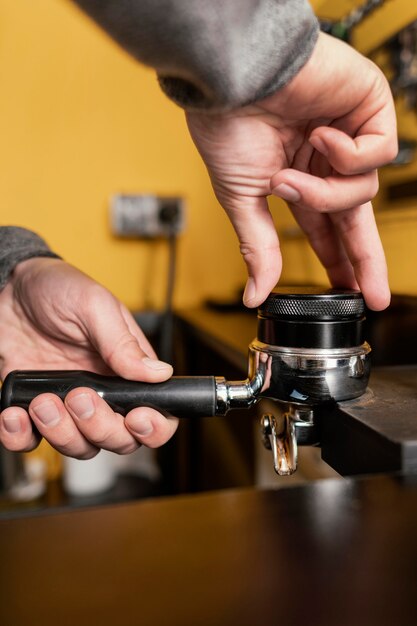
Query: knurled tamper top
x=312, y=317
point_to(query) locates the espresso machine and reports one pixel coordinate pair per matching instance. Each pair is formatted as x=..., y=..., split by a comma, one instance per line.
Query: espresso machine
x=309, y=357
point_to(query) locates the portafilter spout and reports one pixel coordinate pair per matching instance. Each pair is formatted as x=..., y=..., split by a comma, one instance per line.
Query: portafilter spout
x=309, y=350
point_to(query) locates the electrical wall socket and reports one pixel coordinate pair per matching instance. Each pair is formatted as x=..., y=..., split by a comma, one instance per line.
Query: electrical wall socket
x=146, y=216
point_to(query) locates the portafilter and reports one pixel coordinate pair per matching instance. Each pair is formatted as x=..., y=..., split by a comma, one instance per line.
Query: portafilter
x=309, y=351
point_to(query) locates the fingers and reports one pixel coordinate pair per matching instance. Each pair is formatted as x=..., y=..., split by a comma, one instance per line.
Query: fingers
x=359, y=234
x=103, y=428
x=365, y=138
x=348, y=245
x=82, y=425
x=16, y=432
x=326, y=243
x=149, y=427
x=259, y=246
x=119, y=340
x=363, y=153
x=137, y=332
x=56, y=425
x=331, y=193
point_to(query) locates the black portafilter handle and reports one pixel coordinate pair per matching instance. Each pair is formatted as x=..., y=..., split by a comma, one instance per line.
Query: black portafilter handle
x=186, y=396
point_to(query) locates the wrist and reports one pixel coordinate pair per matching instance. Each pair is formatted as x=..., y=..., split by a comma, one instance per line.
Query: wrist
x=18, y=245
x=26, y=271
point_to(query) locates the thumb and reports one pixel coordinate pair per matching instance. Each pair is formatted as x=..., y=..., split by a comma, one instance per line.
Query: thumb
x=259, y=247
x=126, y=352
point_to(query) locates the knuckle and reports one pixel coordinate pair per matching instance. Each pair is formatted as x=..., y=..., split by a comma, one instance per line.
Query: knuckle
x=247, y=250
x=112, y=355
x=127, y=448
x=94, y=295
x=322, y=205
x=346, y=167
x=69, y=443
x=86, y=455
x=102, y=437
x=251, y=251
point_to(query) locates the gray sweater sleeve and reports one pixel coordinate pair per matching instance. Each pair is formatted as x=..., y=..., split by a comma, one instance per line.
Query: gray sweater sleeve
x=213, y=54
x=16, y=245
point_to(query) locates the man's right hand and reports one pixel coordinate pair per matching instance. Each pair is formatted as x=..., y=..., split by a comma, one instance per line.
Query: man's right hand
x=315, y=143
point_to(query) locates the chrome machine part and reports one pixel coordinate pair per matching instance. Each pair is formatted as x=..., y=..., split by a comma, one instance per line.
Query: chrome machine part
x=310, y=376
x=239, y=394
x=282, y=436
x=310, y=351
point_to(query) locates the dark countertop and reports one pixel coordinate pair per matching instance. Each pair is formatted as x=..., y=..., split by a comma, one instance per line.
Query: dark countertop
x=333, y=553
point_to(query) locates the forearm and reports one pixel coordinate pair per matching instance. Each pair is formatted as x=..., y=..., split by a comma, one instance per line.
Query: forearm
x=215, y=55
x=16, y=245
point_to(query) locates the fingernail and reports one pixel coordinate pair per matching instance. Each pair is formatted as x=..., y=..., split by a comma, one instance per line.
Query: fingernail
x=47, y=413
x=82, y=405
x=141, y=426
x=319, y=145
x=12, y=425
x=154, y=364
x=250, y=291
x=286, y=192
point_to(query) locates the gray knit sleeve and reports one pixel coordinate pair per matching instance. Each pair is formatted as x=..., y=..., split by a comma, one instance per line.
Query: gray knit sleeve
x=16, y=245
x=213, y=54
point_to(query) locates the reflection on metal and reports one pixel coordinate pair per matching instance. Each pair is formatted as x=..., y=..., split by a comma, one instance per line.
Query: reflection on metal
x=282, y=441
x=299, y=380
x=309, y=376
x=285, y=433
x=298, y=376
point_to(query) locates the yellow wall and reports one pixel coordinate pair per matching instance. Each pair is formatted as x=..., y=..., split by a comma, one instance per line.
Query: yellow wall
x=80, y=121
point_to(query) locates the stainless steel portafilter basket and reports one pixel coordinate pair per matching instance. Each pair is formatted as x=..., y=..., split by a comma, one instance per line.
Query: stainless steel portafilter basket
x=309, y=350
x=311, y=342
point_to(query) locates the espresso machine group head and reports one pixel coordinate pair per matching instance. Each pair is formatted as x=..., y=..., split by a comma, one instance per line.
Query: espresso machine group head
x=309, y=351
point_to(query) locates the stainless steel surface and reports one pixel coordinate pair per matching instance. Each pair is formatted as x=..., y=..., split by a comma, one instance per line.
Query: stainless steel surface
x=302, y=379
x=284, y=433
x=310, y=377
x=282, y=440
x=238, y=394
x=295, y=375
